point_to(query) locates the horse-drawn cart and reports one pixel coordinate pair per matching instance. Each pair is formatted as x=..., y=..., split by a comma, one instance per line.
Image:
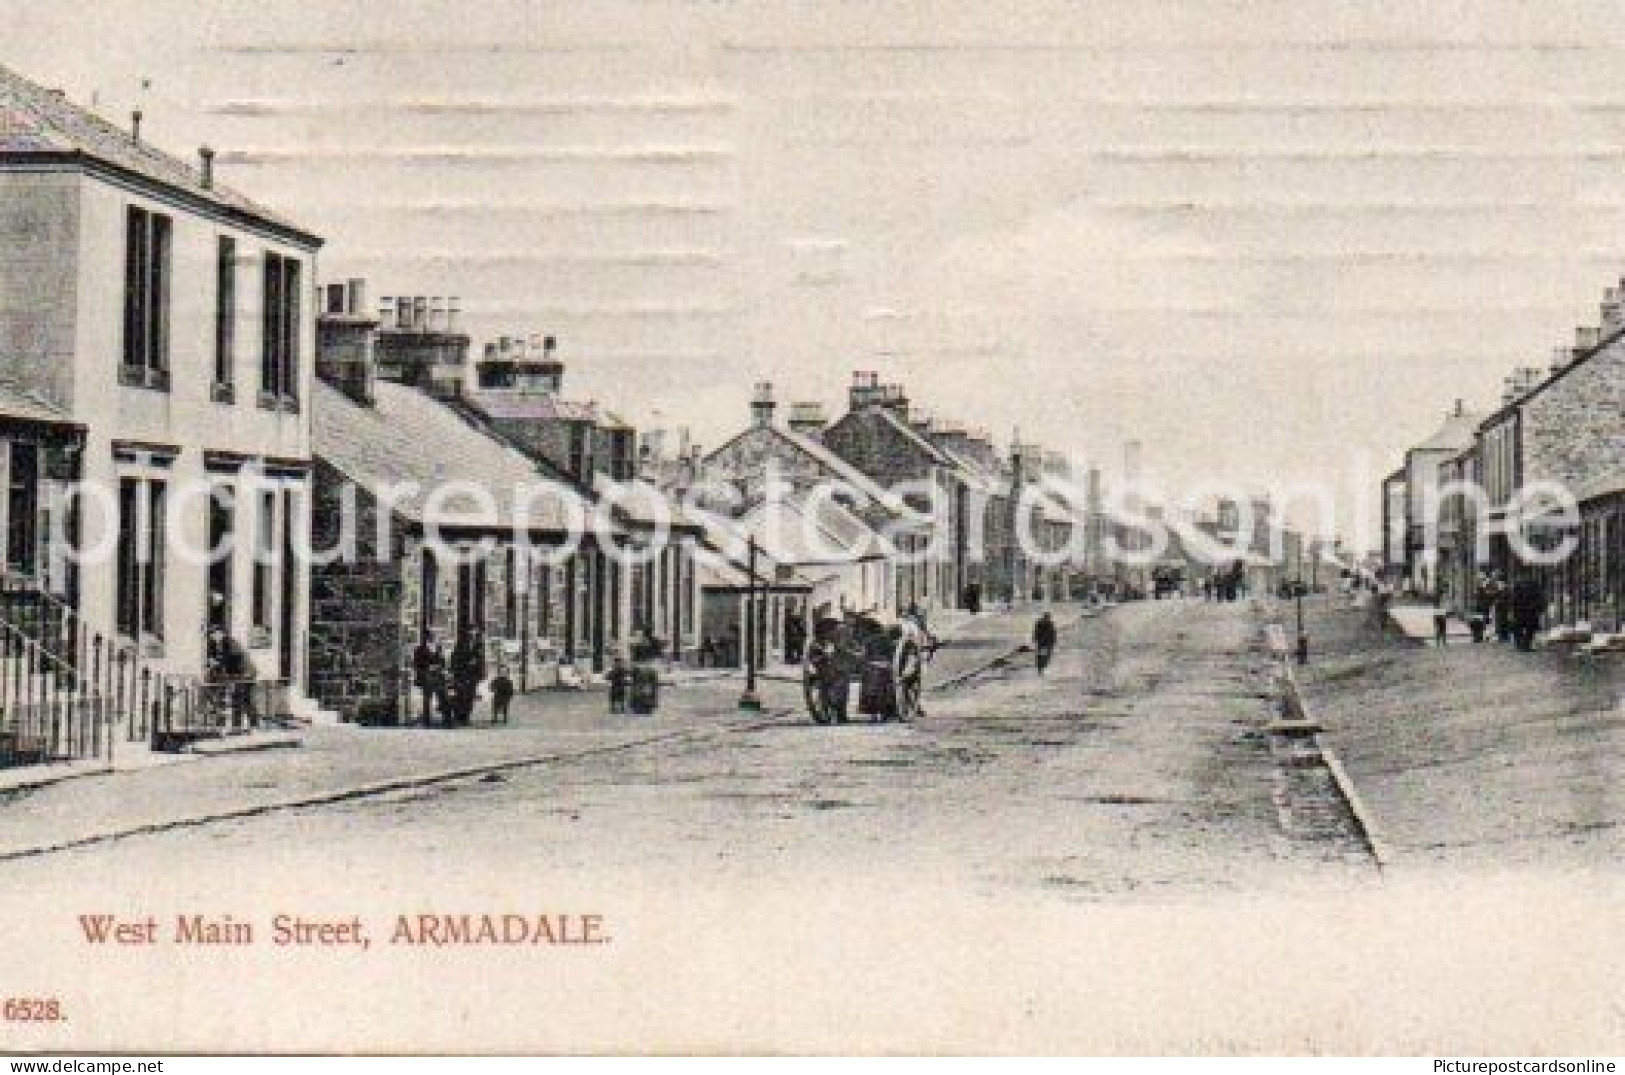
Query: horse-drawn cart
x=885, y=662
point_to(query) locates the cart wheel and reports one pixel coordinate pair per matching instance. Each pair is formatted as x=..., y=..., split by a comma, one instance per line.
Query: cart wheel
x=812, y=690
x=908, y=676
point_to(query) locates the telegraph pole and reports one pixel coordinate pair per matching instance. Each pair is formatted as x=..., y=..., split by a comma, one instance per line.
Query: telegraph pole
x=749, y=699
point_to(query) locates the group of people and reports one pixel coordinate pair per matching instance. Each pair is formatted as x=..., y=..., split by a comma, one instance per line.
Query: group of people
x=450, y=684
x=1511, y=610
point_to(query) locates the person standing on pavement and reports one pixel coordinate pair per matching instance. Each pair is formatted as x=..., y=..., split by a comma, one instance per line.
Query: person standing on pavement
x=1043, y=641
x=467, y=669
x=1441, y=626
x=429, y=676
x=501, y=696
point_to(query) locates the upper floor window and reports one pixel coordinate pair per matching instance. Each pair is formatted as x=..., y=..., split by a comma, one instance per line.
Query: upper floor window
x=279, y=346
x=225, y=318
x=581, y=461
x=147, y=241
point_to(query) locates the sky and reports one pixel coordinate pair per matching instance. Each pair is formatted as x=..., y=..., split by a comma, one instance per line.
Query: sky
x=1272, y=241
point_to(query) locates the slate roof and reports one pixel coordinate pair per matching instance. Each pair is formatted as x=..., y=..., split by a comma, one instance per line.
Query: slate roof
x=803, y=528
x=38, y=121
x=20, y=403
x=1454, y=435
x=821, y=454
x=535, y=406
x=909, y=433
x=724, y=559
x=407, y=437
x=643, y=504
x=1606, y=484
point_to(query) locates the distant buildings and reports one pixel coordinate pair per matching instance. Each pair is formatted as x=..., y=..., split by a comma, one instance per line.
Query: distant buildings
x=1557, y=430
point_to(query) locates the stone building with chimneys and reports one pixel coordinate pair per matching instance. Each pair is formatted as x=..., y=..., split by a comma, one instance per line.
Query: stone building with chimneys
x=454, y=532
x=880, y=436
x=741, y=474
x=155, y=339
x=1564, y=426
x=518, y=395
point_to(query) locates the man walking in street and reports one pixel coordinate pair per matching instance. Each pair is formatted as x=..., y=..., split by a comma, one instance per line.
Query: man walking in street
x=1043, y=641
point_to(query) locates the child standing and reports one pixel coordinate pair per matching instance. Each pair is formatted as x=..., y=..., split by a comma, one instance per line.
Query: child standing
x=620, y=680
x=501, y=695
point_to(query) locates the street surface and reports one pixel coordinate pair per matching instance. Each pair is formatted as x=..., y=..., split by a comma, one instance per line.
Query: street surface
x=1064, y=860
x=1135, y=766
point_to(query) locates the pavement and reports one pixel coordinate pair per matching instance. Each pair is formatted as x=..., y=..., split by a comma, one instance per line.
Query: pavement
x=1476, y=756
x=146, y=792
x=342, y=761
x=1415, y=622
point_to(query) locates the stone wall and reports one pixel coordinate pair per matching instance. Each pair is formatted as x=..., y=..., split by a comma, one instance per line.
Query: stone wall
x=744, y=462
x=357, y=630
x=1574, y=429
x=39, y=232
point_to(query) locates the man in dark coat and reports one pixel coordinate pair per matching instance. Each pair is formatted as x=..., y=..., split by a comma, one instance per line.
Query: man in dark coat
x=1528, y=601
x=1043, y=641
x=429, y=675
x=467, y=673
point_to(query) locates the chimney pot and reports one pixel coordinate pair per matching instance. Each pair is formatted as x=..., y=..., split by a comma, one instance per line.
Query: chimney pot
x=205, y=157
x=762, y=405
x=135, y=126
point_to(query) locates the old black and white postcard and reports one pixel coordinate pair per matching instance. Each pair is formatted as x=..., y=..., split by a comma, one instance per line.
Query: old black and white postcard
x=717, y=526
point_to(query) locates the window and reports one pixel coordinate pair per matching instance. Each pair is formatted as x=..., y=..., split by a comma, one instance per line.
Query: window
x=264, y=561
x=22, y=509
x=430, y=592
x=222, y=555
x=146, y=299
x=510, y=607
x=580, y=450
x=544, y=600
x=471, y=583
x=141, y=558
x=225, y=318
x=279, y=342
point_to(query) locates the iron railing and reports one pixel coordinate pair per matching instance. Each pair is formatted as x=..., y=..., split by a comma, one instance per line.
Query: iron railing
x=67, y=691
x=190, y=709
x=49, y=710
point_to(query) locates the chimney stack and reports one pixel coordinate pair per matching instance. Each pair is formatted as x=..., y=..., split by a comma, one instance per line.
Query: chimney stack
x=807, y=418
x=135, y=126
x=205, y=160
x=346, y=342
x=762, y=405
x=1610, y=310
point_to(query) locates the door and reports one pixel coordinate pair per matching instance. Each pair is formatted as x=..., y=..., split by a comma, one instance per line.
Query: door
x=286, y=634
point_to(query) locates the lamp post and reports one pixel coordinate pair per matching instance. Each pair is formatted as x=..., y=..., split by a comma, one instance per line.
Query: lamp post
x=1303, y=635
x=750, y=699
